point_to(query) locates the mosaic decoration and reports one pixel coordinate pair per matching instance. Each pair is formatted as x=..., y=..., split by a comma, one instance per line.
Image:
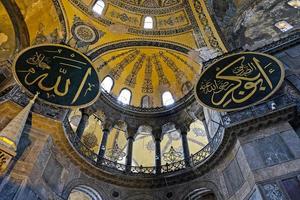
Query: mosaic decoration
x=90, y=140
x=131, y=78
x=105, y=63
x=41, y=38
x=150, y=146
x=171, y=64
x=172, y=155
x=115, y=154
x=162, y=78
x=53, y=71
x=204, y=23
x=148, y=86
x=152, y=3
x=238, y=81
x=116, y=72
x=182, y=60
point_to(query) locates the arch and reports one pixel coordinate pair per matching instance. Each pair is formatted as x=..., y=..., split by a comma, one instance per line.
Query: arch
x=125, y=96
x=167, y=98
x=186, y=87
x=98, y=7
x=145, y=144
x=148, y=22
x=84, y=184
x=146, y=102
x=107, y=84
x=200, y=193
x=205, y=187
x=84, y=191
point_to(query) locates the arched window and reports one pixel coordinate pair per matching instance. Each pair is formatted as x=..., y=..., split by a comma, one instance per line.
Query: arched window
x=84, y=192
x=107, y=84
x=167, y=98
x=146, y=102
x=125, y=96
x=99, y=7
x=148, y=22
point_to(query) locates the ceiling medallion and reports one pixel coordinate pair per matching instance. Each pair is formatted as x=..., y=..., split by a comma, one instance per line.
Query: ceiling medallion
x=61, y=75
x=238, y=81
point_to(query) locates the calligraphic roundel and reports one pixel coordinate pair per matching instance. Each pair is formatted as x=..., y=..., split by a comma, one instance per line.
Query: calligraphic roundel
x=238, y=81
x=63, y=76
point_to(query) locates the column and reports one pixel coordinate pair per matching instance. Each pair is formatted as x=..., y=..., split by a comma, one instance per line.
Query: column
x=185, y=146
x=206, y=130
x=102, y=149
x=130, y=140
x=83, y=121
x=157, y=155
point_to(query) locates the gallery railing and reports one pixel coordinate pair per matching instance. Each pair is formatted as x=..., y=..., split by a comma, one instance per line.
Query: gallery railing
x=106, y=164
x=271, y=105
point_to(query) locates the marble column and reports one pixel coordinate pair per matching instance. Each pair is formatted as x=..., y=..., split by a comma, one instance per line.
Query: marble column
x=82, y=124
x=157, y=155
x=206, y=130
x=185, y=146
x=103, y=143
x=130, y=141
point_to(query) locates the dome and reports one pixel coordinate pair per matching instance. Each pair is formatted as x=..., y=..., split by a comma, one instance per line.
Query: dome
x=146, y=131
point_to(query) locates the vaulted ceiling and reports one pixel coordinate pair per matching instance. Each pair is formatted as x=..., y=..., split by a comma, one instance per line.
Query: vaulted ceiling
x=145, y=61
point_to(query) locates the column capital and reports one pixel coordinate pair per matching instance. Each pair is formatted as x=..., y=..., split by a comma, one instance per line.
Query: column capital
x=131, y=132
x=87, y=111
x=183, y=129
x=107, y=125
x=157, y=134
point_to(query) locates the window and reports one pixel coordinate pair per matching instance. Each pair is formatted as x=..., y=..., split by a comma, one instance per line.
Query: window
x=146, y=102
x=107, y=84
x=283, y=26
x=125, y=96
x=98, y=7
x=148, y=23
x=167, y=98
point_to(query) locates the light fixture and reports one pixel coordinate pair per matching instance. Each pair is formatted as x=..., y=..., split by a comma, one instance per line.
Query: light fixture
x=283, y=26
x=294, y=3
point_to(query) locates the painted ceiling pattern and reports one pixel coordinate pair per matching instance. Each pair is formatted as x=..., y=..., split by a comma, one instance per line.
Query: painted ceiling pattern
x=152, y=3
x=147, y=62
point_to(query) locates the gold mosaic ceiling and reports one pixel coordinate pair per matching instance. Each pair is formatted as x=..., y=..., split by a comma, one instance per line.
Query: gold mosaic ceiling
x=145, y=61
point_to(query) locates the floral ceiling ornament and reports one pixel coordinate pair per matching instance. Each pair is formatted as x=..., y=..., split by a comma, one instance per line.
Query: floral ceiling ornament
x=115, y=153
x=172, y=155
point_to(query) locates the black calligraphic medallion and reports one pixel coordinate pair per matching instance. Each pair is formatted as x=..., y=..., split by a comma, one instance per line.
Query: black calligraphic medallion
x=62, y=75
x=238, y=81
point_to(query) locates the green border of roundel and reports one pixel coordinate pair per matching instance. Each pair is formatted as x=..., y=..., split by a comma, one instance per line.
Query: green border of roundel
x=57, y=45
x=241, y=108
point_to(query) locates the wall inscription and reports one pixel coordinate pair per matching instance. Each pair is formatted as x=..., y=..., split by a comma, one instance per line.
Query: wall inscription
x=239, y=81
x=62, y=75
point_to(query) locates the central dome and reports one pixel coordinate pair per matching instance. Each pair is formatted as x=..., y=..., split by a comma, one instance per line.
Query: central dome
x=153, y=73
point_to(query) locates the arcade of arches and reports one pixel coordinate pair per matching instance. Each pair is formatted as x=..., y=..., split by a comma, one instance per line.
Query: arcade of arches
x=146, y=137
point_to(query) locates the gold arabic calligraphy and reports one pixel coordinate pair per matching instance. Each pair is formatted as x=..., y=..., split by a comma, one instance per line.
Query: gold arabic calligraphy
x=40, y=63
x=239, y=86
